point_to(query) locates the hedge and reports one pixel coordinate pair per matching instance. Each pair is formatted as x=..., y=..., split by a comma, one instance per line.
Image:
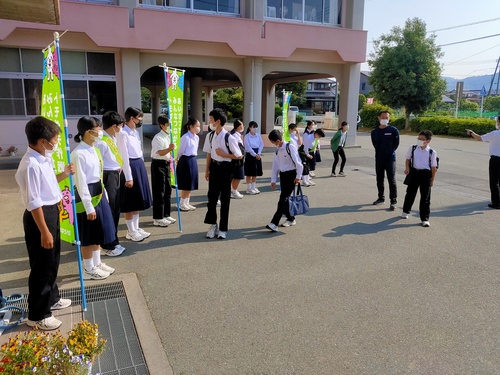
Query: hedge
x=441, y=125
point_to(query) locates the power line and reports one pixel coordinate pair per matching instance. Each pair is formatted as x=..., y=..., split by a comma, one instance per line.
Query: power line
x=469, y=40
x=464, y=25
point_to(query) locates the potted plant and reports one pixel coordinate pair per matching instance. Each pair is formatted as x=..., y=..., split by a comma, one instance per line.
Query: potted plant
x=12, y=150
x=39, y=352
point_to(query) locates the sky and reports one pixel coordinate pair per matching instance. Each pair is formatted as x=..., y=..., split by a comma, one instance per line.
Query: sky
x=460, y=60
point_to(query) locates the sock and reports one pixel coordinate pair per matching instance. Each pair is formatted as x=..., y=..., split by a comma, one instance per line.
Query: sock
x=252, y=186
x=130, y=225
x=135, y=221
x=187, y=200
x=88, y=264
x=96, y=257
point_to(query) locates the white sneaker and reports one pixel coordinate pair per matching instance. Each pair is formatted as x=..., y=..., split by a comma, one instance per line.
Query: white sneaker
x=272, y=227
x=184, y=207
x=333, y=175
x=61, y=304
x=250, y=191
x=119, y=248
x=218, y=202
x=143, y=233
x=304, y=184
x=426, y=223
x=95, y=274
x=222, y=235
x=161, y=222
x=170, y=219
x=191, y=207
x=47, y=324
x=289, y=223
x=256, y=191
x=342, y=174
x=134, y=236
x=104, y=267
x=213, y=231
x=404, y=215
x=236, y=195
x=312, y=174
x=312, y=183
x=113, y=253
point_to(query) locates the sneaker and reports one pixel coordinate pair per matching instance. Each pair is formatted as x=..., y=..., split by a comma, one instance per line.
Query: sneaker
x=95, y=274
x=289, y=223
x=378, y=201
x=222, y=235
x=256, y=191
x=134, y=236
x=272, y=227
x=119, y=248
x=61, y=304
x=143, y=233
x=184, y=207
x=426, y=223
x=342, y=174
x=392, y=207
x=213, y=231
x=170, y=219
x=113, y=253
x=333, y=175
x=106, y=268
x=250, y=192
x=312, y=183
x=239, y=195
x=218, y=202
x=161, y=222
x=312, y=174
x=236, y=195
x=191, y=207
x=404, y=215
x=304, y=184
x=47, y=324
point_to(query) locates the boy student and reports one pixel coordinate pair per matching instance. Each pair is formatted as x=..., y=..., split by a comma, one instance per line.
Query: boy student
x=287, y=163
x=41, y=195
x=218, y=172
x=161, y=147
x=421, y=166
x=112, y=124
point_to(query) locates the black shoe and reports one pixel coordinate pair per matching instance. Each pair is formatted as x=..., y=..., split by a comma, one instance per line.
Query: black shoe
x=392, y=207
x=394, y=201
x=378, y=201
x=491, y=206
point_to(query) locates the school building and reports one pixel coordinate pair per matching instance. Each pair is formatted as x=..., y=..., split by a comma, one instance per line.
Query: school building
x=112, y=48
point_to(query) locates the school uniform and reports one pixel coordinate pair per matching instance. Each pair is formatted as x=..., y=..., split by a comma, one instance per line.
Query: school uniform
x=187, y=167
x=494, y=165
x=421, y=163
x=337, y=145
x=39, y=189
x=219, y=183
x=160, y=176
x=138, y=197
x=289, y=167
x=112, y=165
x=90, y=197
x=310, y=145
x=238, y=171
x=253, y=146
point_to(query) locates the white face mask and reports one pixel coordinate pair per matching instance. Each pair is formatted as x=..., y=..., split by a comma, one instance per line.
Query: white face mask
x=420, y=143
x=315, y=127
x=48, y=153
x=197, y=130
x=99, y=135
x=384, y=122
x=212, y=127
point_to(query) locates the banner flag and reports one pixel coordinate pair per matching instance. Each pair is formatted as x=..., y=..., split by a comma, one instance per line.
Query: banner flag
x=286, y=105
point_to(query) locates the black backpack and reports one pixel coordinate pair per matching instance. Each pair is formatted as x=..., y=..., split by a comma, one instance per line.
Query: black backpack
x=430, y=157
x=234, y=162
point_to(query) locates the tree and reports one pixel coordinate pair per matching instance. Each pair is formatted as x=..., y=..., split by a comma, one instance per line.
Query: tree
x=298, y=90
x=361, y=101
x=405, y=68
x=231, y=100
x=467, y=105
x=492, y=103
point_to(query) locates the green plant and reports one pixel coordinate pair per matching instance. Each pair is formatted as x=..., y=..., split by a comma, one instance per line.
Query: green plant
x=369, y=114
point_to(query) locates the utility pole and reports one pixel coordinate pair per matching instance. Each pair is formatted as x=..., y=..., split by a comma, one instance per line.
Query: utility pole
x=493, y=78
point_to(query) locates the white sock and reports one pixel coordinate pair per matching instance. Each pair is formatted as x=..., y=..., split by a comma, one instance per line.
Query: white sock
x=183, y=201
x=88, y=264
x=135, y=221
x=187, y=200
x=252, y=186
x=130, y=225
x=96, y=257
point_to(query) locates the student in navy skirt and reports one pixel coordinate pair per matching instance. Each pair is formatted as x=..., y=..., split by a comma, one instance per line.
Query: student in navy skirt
x=135, y=194
x=187, y=167
x=253, y=157
x=95, y=220
x=238, y=171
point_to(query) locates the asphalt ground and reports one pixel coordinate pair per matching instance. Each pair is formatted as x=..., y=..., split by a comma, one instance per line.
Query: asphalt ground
x=351, y=289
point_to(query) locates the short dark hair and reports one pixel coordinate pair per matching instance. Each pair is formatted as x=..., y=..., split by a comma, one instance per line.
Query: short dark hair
x=344, y=123
x=219, y=114
x=275, y=135
x=383, y=111
x=132, y=112
x=320, y=132
x=163, y=120
x=427, y=134
x=111, y=118
x=292, y=126
x=41, y=128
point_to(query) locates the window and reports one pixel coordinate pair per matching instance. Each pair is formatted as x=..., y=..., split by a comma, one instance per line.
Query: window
x=11, y=97
x=307, y=11
x=212, y=6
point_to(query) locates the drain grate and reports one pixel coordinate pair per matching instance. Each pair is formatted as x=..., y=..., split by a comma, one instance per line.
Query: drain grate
x=107, y=306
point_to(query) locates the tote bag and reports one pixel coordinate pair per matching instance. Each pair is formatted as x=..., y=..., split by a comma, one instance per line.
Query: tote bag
x=298, y=203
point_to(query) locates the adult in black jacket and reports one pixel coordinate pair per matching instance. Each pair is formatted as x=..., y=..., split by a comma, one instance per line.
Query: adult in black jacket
x=385, y=140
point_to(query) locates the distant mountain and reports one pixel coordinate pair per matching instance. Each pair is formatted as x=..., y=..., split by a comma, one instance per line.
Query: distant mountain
x=470, y=83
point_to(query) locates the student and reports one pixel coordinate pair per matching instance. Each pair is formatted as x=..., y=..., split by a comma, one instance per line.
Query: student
x=308, y=140
x=136, y=196
x=310, y=146
x=295, y=138
x=218, y=173
x=337, y=144
x=41, y=196
x=421, y=166
x=95, y=220
x=253, y=157
x=286, y=162
x=238, y=171
x=187, y=168
x=112, y=123
x=161, y=147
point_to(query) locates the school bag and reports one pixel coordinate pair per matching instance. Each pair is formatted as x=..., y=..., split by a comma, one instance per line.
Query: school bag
x=430, y=157
x=234, y=162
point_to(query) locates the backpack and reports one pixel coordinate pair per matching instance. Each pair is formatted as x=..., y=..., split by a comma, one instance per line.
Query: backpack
x=234, y=162
x=430, y=157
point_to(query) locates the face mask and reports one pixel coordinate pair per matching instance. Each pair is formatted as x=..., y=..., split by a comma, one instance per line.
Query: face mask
x=139, y=124
x=346, y=128
x=48, y=153
x=315, y=127
x=420, y=143
x=252, y=130
x=197, y=130
x=118, y=129
x=384, y=122
x=213, y=127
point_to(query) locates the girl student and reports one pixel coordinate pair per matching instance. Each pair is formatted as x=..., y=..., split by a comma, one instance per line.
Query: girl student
x=253, y=159
x=95, y=220
x=135, y=194
x=187, y=167
x=337, y=144
x=238, y=172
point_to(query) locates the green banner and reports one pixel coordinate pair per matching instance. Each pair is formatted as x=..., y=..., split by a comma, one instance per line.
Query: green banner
x=286, y=105
x=52, y=108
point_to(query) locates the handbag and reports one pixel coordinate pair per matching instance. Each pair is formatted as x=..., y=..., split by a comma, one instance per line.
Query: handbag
x=317, y=156
x=409, y=177
x=298, y=203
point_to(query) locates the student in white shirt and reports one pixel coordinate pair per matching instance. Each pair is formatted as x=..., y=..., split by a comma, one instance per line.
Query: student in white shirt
x=295, y=138
x=288, y=165
x=238, y=172
x=41, y=196
x=253, y=158
x=187, y=167
x=161, y=147
x=135, y=196
x=95, y=220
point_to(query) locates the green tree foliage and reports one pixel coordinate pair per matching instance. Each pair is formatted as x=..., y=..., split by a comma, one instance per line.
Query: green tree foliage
x=467, y=105
x=405, y=68
x=298, y=90
x=145, y=100
x=231, y=100
x=492, y=103
x=361, y=101
x=369, y=114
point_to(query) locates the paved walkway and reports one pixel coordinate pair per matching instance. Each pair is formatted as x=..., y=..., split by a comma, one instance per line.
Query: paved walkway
x=351, y=289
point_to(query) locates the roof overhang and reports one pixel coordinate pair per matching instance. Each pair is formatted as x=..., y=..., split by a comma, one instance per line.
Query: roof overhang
x=40, y=11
